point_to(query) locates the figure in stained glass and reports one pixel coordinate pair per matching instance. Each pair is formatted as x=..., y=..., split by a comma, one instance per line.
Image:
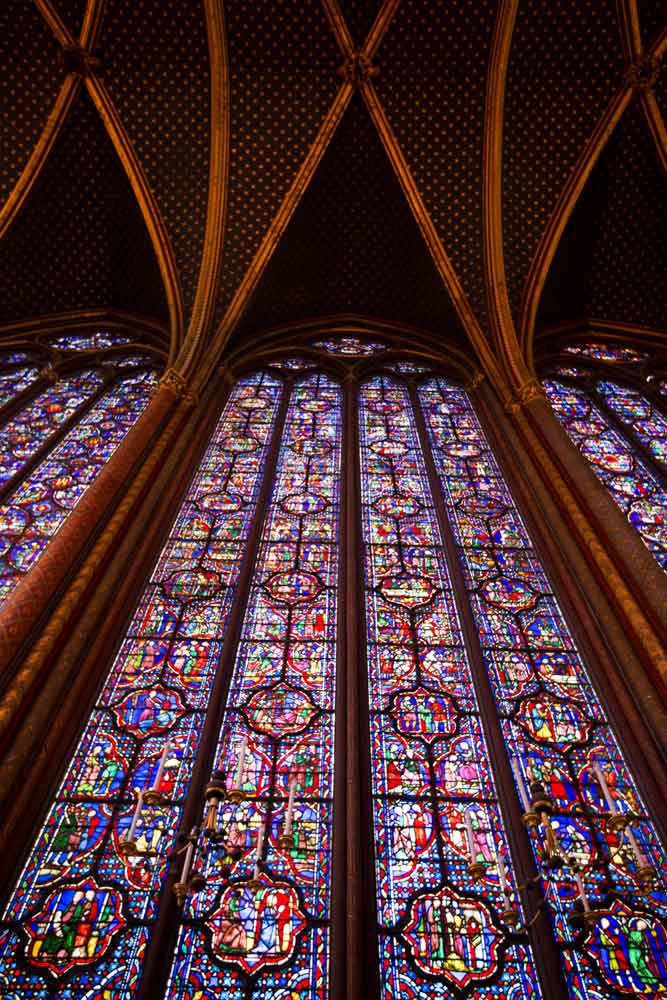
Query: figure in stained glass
x=631, y=951
x=147, y=719
x=256, y=927
x=453, y=938
x=75, y=926
x=552, y=721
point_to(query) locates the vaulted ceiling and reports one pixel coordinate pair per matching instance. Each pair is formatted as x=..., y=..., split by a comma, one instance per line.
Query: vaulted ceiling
x=478, y=170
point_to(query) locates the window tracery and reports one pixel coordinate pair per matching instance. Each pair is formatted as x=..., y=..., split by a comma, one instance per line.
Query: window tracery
x=616, y=420
x=79, y=402
x=254, y=874
x=443, y=871
x=100, y=842
x=554, y=726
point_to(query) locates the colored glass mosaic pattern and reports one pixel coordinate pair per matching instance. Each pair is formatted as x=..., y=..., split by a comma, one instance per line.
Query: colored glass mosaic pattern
x=553, y=723
x=80, y=917
x=350, y=346
x=637, y=413
x=31, y=428
x=607, y=352
x=633, y=486
x=89, y=342
x=40, y=504
x=15, y=381
x=261, y=928
x=436, y=812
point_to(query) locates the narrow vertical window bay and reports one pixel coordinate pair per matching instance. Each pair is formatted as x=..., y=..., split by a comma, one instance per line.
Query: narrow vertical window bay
x=442, y=868
x=554, y=725
x=80, y=918
x=261, y=926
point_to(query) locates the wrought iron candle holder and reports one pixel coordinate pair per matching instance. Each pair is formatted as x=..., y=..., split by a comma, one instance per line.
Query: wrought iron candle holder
x=191, y=881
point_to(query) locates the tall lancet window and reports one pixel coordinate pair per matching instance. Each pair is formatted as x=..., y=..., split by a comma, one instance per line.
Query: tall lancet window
x=348, y=614
x=262, y=922
x=65, y=406
x=443, y=871
x=614, y=410
x=593, y=840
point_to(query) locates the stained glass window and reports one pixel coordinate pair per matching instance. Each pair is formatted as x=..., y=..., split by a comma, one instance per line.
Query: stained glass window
x=89, y=342
x=349, y=346
x=435, y=805
x=636, y=489
x=606, y=352
x=554, y=726
x=127, y=360
x=407, y=367
x=80, y=917
x=15, y=380
x=15, y=357
x=29, y=430
x=228, y=669
x=638, y=414
x=38, y=507
x=260, y=927
x=294, y=364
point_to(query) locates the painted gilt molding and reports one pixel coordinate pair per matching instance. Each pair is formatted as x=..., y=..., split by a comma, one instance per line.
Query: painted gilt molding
x=569, y=196
x=146, y=201
x=276, y=229
x=438, y=253
x=500, y=313
x=208, y=281
x=526, y=393
x=177, y=384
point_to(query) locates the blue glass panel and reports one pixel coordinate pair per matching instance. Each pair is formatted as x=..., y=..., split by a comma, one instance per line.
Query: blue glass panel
x=40, y=505
x=636, y=490
x=25, y=433
x=89, y=342
x=607, y=352
x=352, y=346
x=639, y=414
x=14, y=382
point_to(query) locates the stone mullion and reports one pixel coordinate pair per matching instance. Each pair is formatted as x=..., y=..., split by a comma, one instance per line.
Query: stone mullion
x=355, y=969
x=161, y=949
x=546, y=952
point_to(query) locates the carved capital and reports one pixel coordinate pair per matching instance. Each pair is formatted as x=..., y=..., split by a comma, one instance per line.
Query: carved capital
x=475, y=382
x=78, y=61
x=643, y=74
x=525, y=394
x=49, y=374
x=358, y=69
x=176, y=383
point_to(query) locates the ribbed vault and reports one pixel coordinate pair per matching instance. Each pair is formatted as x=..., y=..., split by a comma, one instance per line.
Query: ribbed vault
x=211, y=180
